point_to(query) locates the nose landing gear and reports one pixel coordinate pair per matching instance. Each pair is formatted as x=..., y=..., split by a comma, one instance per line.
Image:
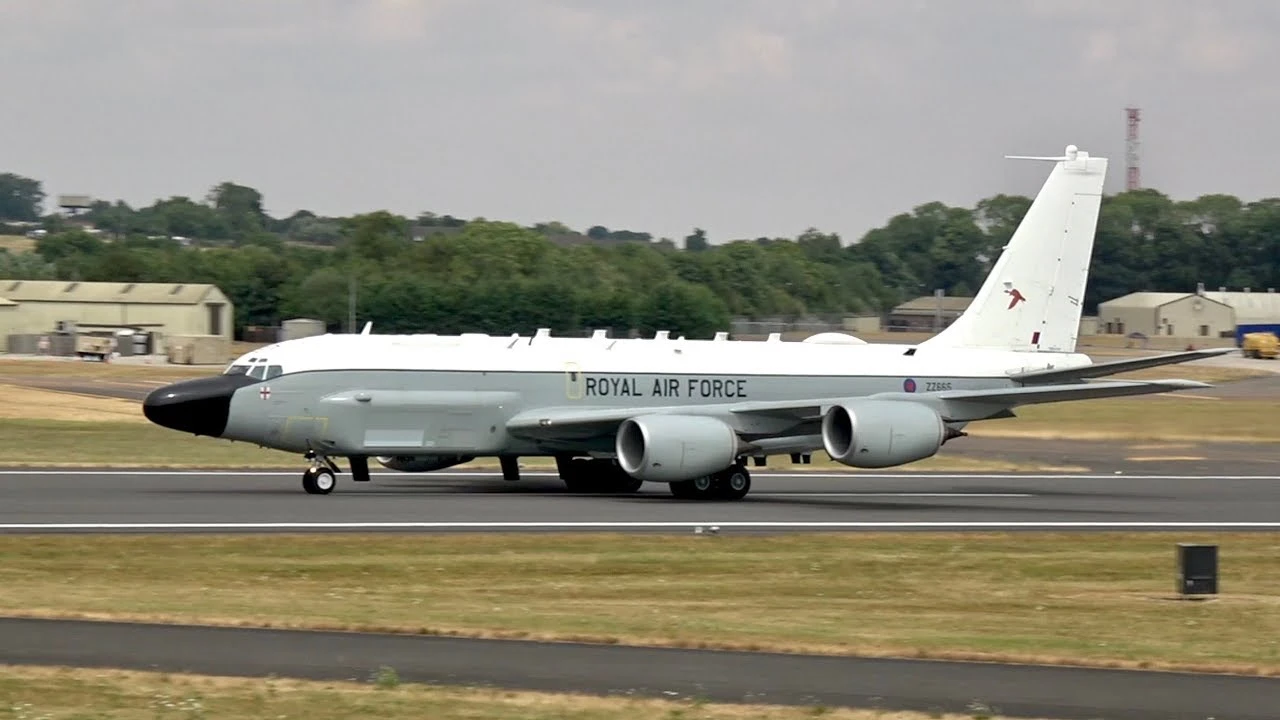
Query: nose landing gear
x=321, y=477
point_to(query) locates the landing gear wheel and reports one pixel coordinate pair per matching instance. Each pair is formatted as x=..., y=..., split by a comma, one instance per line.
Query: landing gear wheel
x=701, y=488
x=318, y=481
x=734, y=483
x=596, y=476
x=625, y=484
x=731, y=484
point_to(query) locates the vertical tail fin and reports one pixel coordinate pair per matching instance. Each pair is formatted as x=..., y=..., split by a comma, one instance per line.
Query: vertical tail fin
x=1032, y=299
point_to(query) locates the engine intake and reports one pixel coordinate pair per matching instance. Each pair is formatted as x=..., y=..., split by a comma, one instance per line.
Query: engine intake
x=421, y=463
x=881, y=433
x=674, y=448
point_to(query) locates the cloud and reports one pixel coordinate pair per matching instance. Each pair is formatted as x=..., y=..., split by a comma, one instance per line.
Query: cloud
x=747, y=117
x=401, y=20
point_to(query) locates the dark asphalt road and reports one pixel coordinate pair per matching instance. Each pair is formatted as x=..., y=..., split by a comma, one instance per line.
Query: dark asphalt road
x=714, y=676
x=154, y=501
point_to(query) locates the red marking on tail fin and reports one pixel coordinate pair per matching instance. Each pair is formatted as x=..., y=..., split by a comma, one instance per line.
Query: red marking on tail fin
x=1015, y=297
x=1035, y=338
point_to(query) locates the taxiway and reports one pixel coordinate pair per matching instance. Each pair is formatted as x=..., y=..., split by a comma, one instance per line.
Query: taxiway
x=927, y=686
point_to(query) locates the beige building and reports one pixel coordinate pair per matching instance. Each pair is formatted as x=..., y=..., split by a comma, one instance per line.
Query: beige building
x=1251, y=307
x=928, y=313
x=34, y=307
x=1189, y=315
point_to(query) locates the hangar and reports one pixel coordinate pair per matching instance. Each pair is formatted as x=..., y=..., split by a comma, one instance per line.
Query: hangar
x=1205, y=314
x=928, y=313
x=39, y=307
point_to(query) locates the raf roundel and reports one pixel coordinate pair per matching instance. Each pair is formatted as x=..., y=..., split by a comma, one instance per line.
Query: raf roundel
x=909, y=385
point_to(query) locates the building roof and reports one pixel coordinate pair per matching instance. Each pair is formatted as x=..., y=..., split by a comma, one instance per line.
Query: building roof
x=924, y=305
x=105, y=292
x=1132, y=300
x=1249, y=307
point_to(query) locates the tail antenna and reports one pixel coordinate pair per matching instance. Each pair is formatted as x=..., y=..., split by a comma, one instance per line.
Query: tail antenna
x=1072, y=153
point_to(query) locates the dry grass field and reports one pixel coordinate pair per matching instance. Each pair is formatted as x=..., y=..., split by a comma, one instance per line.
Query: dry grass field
x=17, y=243
x=1090, y=599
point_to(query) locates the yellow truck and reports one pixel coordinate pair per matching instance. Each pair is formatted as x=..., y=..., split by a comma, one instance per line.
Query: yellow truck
x=1260, y=345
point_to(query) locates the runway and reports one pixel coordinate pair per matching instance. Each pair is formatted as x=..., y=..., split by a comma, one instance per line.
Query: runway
x=925, y=686
x=63, y=501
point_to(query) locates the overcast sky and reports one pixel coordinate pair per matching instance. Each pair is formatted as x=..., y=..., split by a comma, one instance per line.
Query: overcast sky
x=744, y=117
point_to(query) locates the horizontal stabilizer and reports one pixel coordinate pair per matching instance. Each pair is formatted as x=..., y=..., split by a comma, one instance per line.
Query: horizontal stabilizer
x=1113, y=367
x=969, y=405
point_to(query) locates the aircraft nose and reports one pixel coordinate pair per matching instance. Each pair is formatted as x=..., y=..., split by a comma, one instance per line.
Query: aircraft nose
x=201, y=406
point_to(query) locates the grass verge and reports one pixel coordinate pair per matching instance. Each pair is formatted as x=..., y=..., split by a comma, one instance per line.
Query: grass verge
x=37, y=692
x=1161, y=417
x=17, y=244
x=1212, y=374
x=1097, y=599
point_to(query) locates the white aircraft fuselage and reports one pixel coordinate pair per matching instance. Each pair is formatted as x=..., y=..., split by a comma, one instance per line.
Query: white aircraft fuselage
x=619, y=412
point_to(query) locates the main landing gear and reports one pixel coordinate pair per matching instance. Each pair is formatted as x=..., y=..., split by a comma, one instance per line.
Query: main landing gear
x=730, y=484
x=605, y=476
x=595, y=475
x=322, y=477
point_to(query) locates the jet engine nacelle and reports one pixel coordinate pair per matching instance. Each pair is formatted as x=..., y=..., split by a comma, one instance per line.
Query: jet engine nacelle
x=881, y=433
x=421, y=463
x=673, y=448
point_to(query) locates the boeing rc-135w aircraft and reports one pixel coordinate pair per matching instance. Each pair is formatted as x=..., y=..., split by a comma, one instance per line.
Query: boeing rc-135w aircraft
x=616, y=413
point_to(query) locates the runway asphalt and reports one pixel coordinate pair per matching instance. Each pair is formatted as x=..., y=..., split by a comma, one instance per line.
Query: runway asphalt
x=273, y=501
x=925, y=686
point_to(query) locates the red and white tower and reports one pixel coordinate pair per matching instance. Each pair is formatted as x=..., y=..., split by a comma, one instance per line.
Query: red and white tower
x=1133, y=178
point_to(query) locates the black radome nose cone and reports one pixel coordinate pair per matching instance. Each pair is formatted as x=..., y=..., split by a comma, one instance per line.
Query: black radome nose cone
x=200, y=406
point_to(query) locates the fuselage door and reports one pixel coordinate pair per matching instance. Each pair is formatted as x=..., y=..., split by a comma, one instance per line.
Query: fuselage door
x=573, y=381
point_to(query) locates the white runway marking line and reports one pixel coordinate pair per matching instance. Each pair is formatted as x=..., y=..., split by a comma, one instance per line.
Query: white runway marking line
x=890, y=495
x=485, y=475
x=604, y=525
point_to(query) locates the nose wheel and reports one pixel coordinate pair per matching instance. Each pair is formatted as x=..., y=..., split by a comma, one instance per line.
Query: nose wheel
x=322, y=477
x=318, y=481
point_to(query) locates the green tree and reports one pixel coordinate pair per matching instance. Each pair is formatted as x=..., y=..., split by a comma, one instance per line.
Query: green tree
x=240, y=207
x=21, y=198
x=696, y=241
x=693, y=311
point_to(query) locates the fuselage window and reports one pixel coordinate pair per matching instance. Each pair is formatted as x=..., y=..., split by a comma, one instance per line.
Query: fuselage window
x=274, y=371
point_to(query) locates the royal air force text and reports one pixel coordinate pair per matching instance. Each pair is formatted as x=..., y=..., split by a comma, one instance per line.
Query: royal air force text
x=665, y=387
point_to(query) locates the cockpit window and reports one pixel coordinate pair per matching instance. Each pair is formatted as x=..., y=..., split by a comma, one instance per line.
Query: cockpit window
x=256, y=368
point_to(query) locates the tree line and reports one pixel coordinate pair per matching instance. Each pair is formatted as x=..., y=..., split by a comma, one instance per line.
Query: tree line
x=434, y=273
